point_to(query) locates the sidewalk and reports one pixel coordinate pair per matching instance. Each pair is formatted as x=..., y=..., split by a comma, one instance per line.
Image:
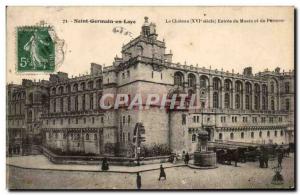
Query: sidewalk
x=41, y=162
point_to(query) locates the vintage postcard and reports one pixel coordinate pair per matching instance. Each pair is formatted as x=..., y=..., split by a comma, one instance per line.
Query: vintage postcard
x=150, y=98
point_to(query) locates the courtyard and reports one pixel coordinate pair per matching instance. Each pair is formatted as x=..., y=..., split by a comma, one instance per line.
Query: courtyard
x=36, y=172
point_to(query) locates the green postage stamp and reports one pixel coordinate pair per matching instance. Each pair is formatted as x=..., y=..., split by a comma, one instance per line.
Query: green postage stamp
x=38, y=49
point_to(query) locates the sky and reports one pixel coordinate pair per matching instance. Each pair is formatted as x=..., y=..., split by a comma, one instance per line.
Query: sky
x=227, y=46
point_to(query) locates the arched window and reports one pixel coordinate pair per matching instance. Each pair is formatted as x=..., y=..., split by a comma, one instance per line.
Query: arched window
x=178, y=79
x=220, y=136
x=281, y=133
x=95, y=136
x=68, y=89
x=191, y=80
x=216, y=83
x=75, y=87
x=268, y=133
x=252, y=134
x=231, y=136
x=242, y=135
x=260, y=134
x=61, y=90
x=203, y=81
x=238, y=86
x=227, y=85
x=275, y=133
x=87, y=136
x=193, y=137
x=216, y=100
x=99, y=83
x=227, y=100
x=82, y=86
x=90, y=85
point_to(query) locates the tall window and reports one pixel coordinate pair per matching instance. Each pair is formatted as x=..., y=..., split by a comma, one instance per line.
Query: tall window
x=75, y=87
x=247, y=102
x=272, y=87
x=76, y=103
x=287, y=87
x=91, y=101
x=83, y=102
x=216, y=83
x=193, y=137
x=227, y=100
x=68, y=89
x=231, y=136
x=287, y=104
x=82, y=86
x=178, y=79
x=242, y=135
x=54, y=105
x=220, y=136
x=69, y=103
x=99, y=83
x=237, y=101
x=61, y=104
x=272, y=104
x=216, y=100
x=264, y=97
x=60, y=89
x=90, y=85
x=191, y=80
x=203, y=82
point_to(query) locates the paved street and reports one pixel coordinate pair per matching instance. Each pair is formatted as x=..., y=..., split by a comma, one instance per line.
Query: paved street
x=247, y=175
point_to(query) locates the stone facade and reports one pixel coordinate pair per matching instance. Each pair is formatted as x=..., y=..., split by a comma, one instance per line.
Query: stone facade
x=64, y=114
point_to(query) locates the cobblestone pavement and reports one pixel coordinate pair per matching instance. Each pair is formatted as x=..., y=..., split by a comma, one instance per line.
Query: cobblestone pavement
x=246, y=175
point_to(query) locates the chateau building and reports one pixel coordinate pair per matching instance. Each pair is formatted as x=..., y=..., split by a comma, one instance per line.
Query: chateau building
x=63, y=114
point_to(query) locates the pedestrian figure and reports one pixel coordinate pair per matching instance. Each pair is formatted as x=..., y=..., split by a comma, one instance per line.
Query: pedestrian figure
x=261, y=159
x=105, y=165
x=266, y=157
x=186, y=158
x=138, y=181
x=280, y=157
x=235, y=157
x=175, y=158
x=162, y=173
